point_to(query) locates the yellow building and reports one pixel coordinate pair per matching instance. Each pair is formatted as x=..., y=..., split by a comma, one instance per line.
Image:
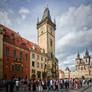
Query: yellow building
x=83, y=64
x=83, y=67
x=61, y=74
x=67, y=73
x=1, y=52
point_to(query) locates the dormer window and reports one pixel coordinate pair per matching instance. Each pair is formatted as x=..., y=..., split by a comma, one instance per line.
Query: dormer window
x=12, y=34
x=23, y=45
x=7, y=37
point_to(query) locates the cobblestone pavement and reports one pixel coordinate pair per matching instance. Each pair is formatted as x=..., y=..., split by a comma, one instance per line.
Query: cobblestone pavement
x=86, y=89
x=61, y=90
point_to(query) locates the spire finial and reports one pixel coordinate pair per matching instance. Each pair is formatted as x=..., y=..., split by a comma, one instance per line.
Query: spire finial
x=86, y=53
x=78, y=55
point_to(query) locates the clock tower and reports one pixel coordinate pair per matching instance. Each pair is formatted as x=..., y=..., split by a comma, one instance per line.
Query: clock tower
x=46, y=33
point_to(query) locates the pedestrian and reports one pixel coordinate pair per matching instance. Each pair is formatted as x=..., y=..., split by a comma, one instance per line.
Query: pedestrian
x=6, y=85
x=29, y=85
x=40, y=86
x=25, y=85
x=12, y=85
x=57, y=84
x=88, y=82
x=51, y=86
x=17, y=85
x=34, y=85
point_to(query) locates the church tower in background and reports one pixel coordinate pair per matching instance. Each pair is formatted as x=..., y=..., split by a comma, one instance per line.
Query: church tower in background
x=46, y=33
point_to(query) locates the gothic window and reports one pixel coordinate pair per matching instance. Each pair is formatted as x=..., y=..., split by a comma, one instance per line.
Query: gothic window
x=7, y=51
x=33, y=63
x=26, y=56
x=14, y=53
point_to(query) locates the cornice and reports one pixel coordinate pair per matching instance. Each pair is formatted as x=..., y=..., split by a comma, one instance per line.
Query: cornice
x=46, y=21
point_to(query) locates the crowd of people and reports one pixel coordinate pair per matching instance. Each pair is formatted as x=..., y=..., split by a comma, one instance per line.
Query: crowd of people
x=14, y=85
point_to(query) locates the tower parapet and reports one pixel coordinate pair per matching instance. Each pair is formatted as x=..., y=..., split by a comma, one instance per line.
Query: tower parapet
x=46, y=18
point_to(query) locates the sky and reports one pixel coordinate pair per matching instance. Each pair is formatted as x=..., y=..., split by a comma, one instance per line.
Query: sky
x=73, y=24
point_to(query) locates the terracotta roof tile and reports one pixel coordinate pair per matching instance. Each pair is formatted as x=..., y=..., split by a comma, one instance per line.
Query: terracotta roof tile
x=18, y=39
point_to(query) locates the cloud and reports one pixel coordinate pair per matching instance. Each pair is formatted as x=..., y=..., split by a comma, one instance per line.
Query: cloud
x=75, y=33
x=24, y=12
x=4, y=18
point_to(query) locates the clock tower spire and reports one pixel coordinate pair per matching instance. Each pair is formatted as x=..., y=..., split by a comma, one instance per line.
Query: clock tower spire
x=46, y=33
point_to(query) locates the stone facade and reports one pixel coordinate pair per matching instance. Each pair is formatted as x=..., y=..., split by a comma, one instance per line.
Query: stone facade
x=67, y=73
x=83, y=67
x=83, y=64
x=61, y=74
x=46, y=40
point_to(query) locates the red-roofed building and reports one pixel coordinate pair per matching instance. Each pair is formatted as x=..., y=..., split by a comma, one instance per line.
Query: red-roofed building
x=16, y=55
x=25, y=59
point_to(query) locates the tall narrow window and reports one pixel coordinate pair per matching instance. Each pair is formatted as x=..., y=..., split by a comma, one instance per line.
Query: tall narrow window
x=14, y=53
x=26, y=56
x=51, y=42
x=21, y=54
x=7, y=51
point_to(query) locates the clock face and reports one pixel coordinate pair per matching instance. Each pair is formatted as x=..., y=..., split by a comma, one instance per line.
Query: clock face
x=42, y=29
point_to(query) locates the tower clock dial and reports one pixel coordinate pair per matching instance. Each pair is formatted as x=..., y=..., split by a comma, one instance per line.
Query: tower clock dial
x=42, y=29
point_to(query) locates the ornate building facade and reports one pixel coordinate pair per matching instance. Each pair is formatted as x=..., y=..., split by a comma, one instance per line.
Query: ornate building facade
x=83, y=64
x=83, y=67
x=22, y=58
